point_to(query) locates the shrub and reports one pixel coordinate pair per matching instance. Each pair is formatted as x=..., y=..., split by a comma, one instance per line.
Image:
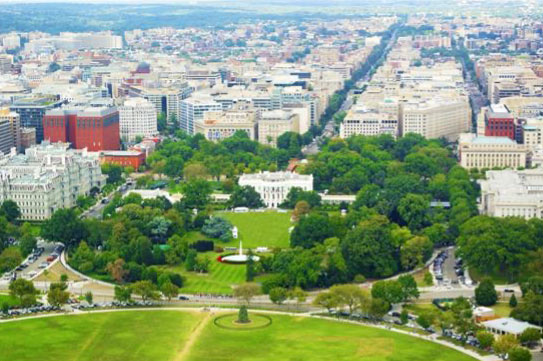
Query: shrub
x=243, y=315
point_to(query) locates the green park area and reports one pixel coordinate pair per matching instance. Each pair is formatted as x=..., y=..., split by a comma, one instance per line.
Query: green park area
x=194, y=336
x=127, y=336
x=261, y=229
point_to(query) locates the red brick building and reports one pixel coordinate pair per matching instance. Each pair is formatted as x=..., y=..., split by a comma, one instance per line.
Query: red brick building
x=124, y=158
x=93, y=128
x=499, y=122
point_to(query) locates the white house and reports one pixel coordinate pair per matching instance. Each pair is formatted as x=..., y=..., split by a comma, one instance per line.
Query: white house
x=273, y=187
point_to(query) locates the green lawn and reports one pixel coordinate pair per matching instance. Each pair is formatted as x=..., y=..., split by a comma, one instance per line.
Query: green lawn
x=261, y=229
x=127, y=336
x=162, y=335
x=298, y=338
x=219, y=280
x=502, y=309
x=11, y=301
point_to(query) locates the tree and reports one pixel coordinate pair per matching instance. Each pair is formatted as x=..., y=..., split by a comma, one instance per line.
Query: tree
x=218, y=227
x=390, y=291
x=195, y=171
x=415, y=252
x=22, y=289
x=311, y=230
x=404, y=317
x=196, y=193
x=486, y=339
x=146, y=290
x=174, y=166
x=250, y=267
x=10, y=258
x=278, y=295
x=296, y=194
x=123, y=294
x=348, y=295
x=89, y=297
x=428, y=279
x=243, y=315
x=326, y=300
x=57, y=295
x=299, y=295
x=246, y=291
x=409, y=287
x=117, y=270
x=191, y=260
x=485, y=293
x=369, y=249
x=504, y=344
x=378, y=308
x=513, y=301
x=245, y=196
x=426, y=319
x=520, y=354
x=462, y=316
x=301, y=209
x=412, y=209
x=10, y=210
x=169, y=290
x=530, y=336
x=66, y=227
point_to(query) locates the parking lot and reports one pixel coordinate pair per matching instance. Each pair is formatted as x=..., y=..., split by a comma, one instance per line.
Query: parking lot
x=449, y=270
x=41, y=257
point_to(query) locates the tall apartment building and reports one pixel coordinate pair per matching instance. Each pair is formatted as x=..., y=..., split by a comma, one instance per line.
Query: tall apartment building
x=490, y=152
x=137, y=117
x=94, y=128
x=368, y=122
x=48, y=177
x=31, y=111
x=511, y=192
x=11, y=133
x=192, y=110
x=217, y=125
x=436, y=118
x=499, y=122
x=273, y=123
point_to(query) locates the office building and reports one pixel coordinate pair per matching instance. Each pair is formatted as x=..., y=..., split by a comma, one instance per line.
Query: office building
x=48, y=177
x=273, y=123
x=93, y=128
x=12, y=130
x=137, y=118
x=490, y=152
x=31, y=111
x=192, y=110
x=499, y=122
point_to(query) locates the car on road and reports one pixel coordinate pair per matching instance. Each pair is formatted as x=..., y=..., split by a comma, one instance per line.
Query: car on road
x=183, y=298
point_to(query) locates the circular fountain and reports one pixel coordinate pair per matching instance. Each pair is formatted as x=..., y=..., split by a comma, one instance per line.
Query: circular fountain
x=238, y=258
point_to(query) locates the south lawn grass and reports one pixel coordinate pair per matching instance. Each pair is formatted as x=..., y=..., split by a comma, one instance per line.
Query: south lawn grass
x=219, y=280
x=114, y=336
x=260, y=229
x=300, y=338
x=161, y=336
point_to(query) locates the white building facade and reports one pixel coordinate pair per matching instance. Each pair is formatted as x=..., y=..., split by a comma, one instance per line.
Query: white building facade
x=273, y=187
x=48, y=177
x=137, y=117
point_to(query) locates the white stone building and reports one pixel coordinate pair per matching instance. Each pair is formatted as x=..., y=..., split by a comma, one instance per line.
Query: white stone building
x=137, y=117
x=48, y=177
x=217, y=125
x=276, y=122
x=273, y=187
x=368, y=122
x=490, y=152
x=512, y=193
x=192, y=110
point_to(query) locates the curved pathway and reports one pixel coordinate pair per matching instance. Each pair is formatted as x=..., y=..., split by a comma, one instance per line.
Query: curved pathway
x=197, y=330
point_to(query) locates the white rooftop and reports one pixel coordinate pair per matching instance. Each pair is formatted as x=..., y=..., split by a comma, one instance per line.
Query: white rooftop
x=509, y=325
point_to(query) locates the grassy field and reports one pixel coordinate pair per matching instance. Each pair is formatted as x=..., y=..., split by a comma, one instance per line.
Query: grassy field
x=289, y=338
x=502, y=309
x=219, y=280
x=127, y=336
x=261, y=229
x=192, y=336
x=6, y=298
